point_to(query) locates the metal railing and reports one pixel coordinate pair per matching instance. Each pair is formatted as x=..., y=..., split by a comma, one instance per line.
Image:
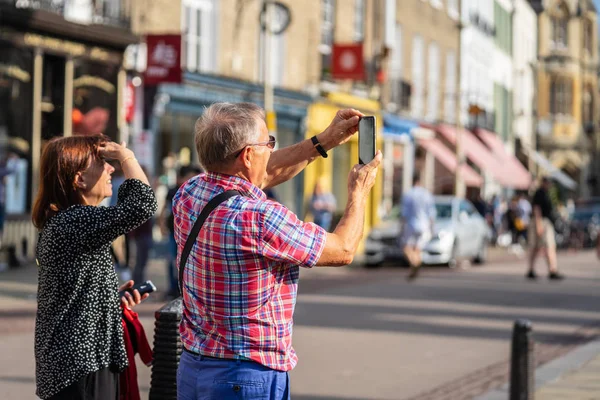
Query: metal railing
x=104, y=12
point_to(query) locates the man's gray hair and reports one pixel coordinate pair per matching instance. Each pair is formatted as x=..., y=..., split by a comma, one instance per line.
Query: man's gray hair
x=223, y=130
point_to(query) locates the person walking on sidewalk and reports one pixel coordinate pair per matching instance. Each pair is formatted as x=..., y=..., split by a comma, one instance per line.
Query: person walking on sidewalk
x=241, y=278
x=79, y=346
x=418, y=214
x=541, y=232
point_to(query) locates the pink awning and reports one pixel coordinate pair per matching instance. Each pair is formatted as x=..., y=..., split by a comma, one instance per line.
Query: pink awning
x=448, y=160
x=477, y=152
x=520, y=177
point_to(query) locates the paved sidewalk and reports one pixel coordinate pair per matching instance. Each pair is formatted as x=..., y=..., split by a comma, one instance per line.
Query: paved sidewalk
x=574, y=376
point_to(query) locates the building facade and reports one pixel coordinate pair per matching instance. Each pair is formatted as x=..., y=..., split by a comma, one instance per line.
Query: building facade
x=567, y=88
x=524, y=39
x=60, y=74
x=223, y=59
x=423, y=38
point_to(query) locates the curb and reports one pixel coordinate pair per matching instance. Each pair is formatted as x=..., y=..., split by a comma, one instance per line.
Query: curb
x=553, y=370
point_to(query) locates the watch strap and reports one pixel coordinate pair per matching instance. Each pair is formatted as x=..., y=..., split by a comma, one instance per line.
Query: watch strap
x=318, y=146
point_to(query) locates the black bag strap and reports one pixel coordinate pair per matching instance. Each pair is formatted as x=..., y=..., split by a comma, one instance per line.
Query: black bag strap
x=189, y=243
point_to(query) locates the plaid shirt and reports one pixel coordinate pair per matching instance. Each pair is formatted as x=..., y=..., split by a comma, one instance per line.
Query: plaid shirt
x=241, y=278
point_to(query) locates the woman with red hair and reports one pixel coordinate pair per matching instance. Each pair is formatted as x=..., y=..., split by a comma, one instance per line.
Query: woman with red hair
x=79, y=347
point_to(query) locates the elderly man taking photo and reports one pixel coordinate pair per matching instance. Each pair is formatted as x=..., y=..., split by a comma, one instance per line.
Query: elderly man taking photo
x=240, y=280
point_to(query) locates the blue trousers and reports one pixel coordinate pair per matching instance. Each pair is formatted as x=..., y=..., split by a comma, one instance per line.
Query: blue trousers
x=200, y=378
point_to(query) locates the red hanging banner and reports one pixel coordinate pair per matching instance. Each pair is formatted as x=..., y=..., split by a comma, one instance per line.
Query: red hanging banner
x=348, y=62
x=164, y=59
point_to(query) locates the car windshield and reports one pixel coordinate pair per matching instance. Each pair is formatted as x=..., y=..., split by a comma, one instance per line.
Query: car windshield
x=443, y=211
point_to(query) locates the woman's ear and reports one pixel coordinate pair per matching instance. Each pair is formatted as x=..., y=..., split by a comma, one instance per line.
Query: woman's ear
x=79, y=182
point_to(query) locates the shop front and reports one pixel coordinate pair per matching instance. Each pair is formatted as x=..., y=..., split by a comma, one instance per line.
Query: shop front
x=333, y=171
x=50, y=85
x=178, y=106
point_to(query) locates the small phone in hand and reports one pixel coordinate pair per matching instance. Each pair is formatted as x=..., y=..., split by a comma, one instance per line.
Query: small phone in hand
x=143, y=288
x=366, y=139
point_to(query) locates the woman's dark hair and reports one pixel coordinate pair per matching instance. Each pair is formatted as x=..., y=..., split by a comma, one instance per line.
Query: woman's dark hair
x=62, y=159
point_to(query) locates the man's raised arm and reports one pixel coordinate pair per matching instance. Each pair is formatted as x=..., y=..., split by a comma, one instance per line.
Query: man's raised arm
x=286, y=163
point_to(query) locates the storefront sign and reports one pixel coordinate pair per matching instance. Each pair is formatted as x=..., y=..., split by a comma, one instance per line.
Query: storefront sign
x=164, y=59
x=348, y=62
x=67, y=47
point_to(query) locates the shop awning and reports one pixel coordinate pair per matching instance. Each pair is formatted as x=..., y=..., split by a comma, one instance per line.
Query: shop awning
x=477, y=153
x=401, y=129
x=448, y=160
x=552, y=170
x=513, y=169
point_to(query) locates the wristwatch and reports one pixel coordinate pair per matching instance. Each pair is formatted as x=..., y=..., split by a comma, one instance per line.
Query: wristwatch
x=318, y=146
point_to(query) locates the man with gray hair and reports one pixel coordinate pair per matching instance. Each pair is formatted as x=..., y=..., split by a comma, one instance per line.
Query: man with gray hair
x=240, y=281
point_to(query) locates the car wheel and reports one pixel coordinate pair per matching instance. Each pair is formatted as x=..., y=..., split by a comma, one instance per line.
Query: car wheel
x=453, y=261
x=481, y=256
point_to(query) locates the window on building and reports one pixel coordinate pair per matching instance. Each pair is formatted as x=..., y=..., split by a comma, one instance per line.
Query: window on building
x=198, y=39
x=359, y=20
x=560, y=26
x=433, y=82
x=277, y=49
x=588, y=36
x=327, y=34
x=396, y=67
x=452, y=6
x=588, y=106
x=561, y=96
x=451, y=93
x=417, y=77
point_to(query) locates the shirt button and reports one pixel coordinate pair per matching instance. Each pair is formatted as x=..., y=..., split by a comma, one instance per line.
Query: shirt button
x=236, y=388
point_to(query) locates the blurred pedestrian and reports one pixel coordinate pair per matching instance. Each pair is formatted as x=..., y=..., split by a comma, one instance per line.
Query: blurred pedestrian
x=514, y=225
x=418, y=214
x=79, y=345
x=524, y=214
x=166, y=224
x=241, y=278
x=541, y=232
x=142, y=237
x=322, y=206
x=479, y=204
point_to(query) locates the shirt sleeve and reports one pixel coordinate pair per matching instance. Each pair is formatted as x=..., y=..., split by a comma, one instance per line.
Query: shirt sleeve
x=286, y=239
x=102, y=225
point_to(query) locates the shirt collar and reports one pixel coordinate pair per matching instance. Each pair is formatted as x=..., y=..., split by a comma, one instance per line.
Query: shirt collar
x=231, y=182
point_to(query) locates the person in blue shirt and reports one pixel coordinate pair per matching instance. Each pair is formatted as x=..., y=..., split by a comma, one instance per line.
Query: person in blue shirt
x=322, y=206
x=418, y=213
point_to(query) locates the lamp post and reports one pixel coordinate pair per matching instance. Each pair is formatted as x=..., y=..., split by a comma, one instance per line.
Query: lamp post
x=275, y=18
x=271, y=118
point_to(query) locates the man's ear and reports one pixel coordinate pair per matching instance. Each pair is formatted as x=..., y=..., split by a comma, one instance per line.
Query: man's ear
x=247, y=156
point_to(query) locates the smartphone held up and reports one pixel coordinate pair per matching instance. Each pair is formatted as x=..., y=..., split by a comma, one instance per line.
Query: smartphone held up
x=366, y=139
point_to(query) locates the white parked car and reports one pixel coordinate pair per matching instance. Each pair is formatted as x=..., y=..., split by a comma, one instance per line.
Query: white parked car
x=460, y=232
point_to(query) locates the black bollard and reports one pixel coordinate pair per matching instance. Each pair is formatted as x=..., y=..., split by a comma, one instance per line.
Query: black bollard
x=167, y=351
x=522, y=368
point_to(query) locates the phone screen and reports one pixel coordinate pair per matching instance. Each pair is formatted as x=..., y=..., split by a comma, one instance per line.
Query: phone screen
x=366, y=140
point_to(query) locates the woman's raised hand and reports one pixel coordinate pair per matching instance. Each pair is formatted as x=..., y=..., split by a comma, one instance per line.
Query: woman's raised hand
x=115, y=151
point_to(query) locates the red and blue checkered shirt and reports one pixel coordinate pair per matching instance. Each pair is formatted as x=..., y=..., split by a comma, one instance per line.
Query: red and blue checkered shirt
x=241, y=278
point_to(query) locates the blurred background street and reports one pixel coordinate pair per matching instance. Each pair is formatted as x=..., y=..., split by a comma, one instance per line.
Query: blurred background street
x=368, y=334
x=481, y=98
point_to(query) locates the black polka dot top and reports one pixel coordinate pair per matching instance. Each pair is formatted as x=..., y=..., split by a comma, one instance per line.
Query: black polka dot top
x=78, y=324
